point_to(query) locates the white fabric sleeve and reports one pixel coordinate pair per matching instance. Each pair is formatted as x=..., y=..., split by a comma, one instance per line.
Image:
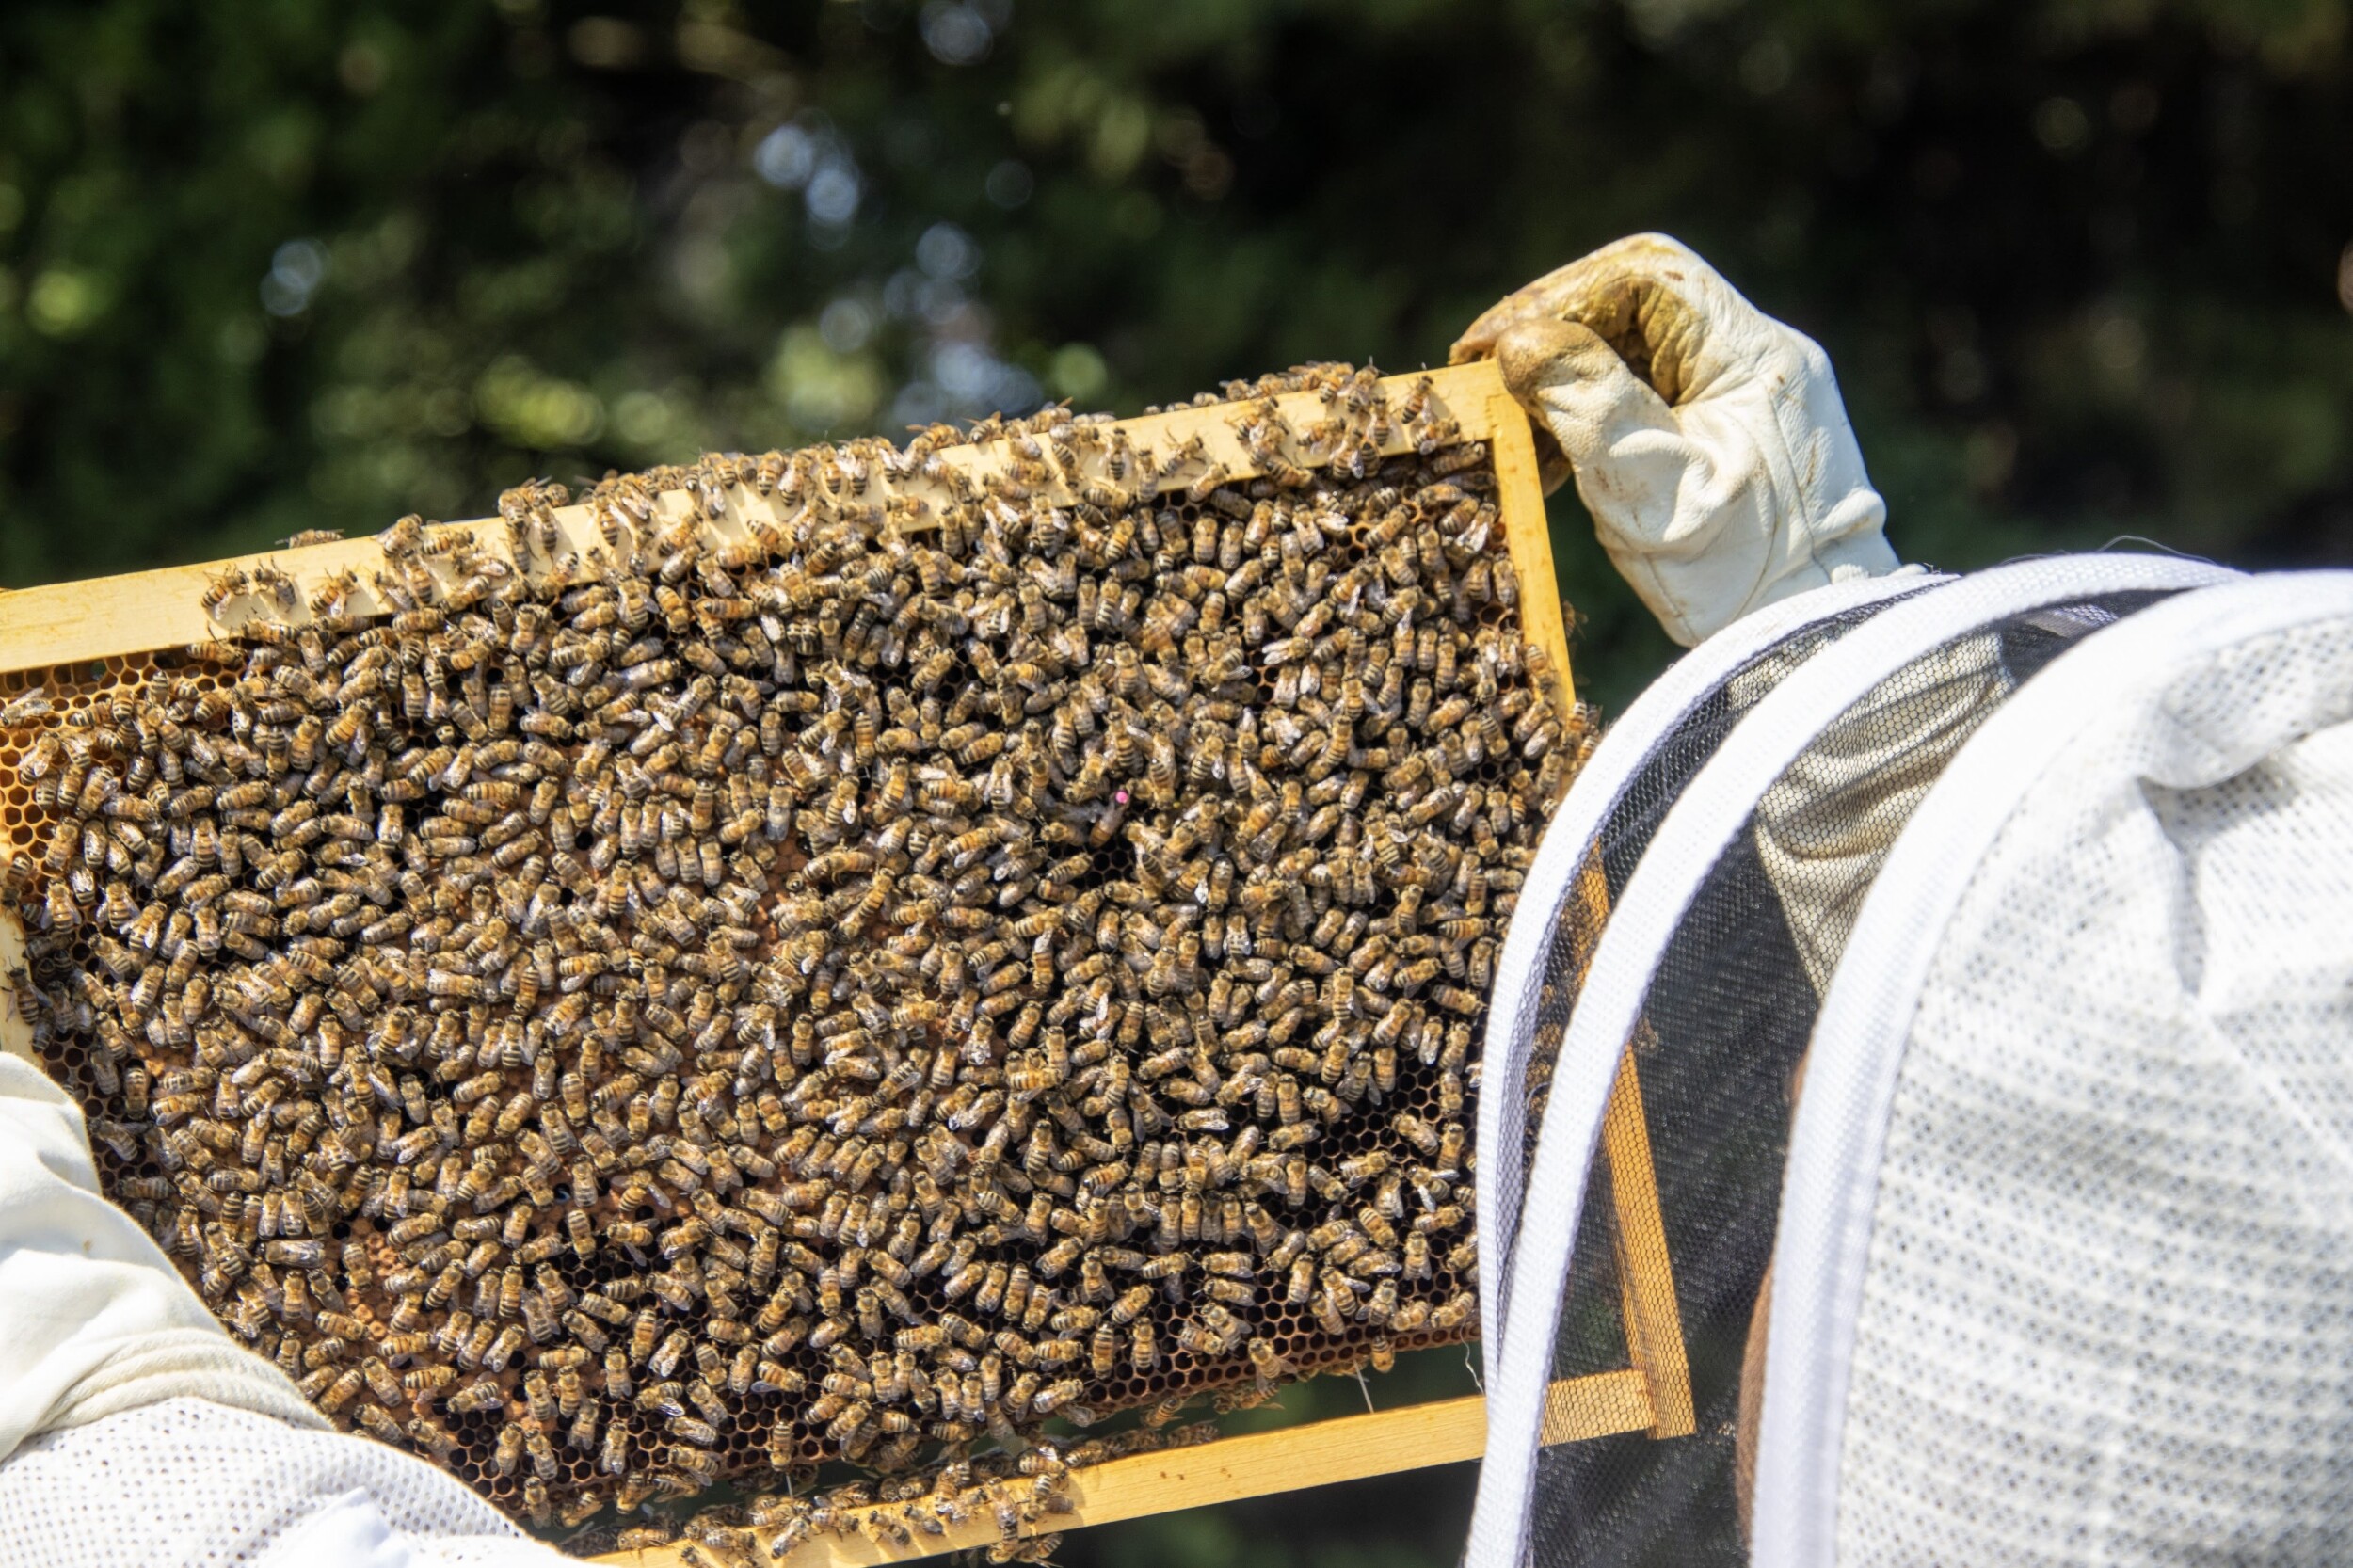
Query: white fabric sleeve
x=189, y=1483
x=1825, y=825
x=94, y=1318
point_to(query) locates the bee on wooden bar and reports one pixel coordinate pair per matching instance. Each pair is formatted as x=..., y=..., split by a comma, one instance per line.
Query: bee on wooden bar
x=228, y=584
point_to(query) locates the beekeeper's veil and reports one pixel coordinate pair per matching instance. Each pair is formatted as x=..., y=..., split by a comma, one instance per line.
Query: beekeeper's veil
x=1592, y=845
x=2065, y=1270
x=1731, y=856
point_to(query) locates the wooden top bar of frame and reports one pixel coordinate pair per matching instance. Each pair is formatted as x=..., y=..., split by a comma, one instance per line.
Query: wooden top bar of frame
x=148, y=611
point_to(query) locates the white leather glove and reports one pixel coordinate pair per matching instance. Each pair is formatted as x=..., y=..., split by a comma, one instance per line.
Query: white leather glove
x=1707, y=439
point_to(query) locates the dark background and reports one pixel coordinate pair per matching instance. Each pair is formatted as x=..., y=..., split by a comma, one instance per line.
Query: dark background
x=2082, y=266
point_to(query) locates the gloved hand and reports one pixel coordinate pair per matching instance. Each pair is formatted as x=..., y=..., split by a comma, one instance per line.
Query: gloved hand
x=1707, y=439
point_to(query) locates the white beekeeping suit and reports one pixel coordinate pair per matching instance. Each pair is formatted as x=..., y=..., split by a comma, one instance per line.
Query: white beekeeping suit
x=134, y=1431
x=2036, y=887
x=2065, y=1270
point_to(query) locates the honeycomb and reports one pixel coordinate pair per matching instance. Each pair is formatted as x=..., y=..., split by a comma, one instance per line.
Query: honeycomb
x=567, y=1202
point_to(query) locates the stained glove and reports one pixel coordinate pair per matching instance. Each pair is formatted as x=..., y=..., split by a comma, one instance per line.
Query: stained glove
x=1707, y=439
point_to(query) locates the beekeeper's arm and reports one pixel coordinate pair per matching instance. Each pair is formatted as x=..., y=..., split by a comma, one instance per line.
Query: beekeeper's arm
x=1711, y=445
x=134, y=1429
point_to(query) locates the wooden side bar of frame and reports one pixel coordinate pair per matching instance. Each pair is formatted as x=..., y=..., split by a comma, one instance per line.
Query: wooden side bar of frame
x=1647, y=1291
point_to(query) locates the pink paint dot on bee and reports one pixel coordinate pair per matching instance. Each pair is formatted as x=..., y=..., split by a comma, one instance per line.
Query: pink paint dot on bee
x=1121, y=796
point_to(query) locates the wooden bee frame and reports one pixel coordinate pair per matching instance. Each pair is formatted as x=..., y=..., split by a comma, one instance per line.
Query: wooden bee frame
x=78, y=639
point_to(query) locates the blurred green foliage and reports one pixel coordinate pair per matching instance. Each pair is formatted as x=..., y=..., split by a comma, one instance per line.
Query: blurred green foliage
x=280, y=264
x=269, y=265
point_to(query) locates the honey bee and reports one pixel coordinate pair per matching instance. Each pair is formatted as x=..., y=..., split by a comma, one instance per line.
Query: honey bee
x=341, y=1391
x=271, y=582
x=27, y=708
x=228, y=584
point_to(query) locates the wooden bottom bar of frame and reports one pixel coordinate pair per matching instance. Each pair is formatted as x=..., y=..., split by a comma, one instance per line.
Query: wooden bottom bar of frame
x=1351, y=1448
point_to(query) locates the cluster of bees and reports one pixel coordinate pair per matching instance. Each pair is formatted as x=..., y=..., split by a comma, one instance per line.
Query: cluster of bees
x=1016, y=1493
x=818, y=973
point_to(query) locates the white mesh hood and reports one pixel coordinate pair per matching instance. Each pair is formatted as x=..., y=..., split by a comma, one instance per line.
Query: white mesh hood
x=1686, y=1020
x=2065, y=1261
x=1625, y=788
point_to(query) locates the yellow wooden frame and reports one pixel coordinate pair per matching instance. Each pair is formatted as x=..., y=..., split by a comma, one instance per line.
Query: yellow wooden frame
x=73, y=623
x=143, y=611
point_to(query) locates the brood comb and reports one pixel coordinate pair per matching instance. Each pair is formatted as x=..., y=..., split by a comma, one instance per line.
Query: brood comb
x=835, y=954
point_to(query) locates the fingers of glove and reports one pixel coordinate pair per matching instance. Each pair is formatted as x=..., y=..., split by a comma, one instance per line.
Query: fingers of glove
x=1604, y=290
x=1582, y=394
x=1591, y=290
x=1649, y=297
x=1540, y=353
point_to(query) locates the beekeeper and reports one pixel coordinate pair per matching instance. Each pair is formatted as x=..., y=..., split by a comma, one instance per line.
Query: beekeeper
x=2060, y=1267
x=1708, y=440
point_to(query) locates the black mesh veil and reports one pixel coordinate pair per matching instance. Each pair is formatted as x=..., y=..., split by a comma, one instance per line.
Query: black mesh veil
x=1730, y=870
x=1622, y=794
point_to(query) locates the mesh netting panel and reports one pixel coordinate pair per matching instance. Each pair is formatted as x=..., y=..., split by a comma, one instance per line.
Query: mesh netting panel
x=187, y=1481
x=2068, y=1232
x=1683, y=746
x=1724, y=1024
x=1619, y=845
